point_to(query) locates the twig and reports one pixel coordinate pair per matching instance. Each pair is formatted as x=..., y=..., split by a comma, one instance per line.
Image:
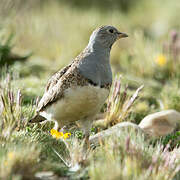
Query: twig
x=68, y=165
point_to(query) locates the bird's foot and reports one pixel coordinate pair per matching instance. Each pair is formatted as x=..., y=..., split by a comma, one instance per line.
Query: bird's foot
x=86, y=143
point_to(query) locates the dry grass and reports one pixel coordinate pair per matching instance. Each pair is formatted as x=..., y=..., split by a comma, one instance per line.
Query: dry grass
x=11, y=109
x=119, y=103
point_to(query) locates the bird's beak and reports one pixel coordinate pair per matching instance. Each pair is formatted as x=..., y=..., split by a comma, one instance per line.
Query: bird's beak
x=121, y=35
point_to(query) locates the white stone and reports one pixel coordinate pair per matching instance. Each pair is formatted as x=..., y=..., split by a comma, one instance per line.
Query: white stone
x=160, y=123
x=114, y=130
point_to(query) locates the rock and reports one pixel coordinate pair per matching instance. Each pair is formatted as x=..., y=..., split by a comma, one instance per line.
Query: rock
x=48, y=175
x=114, y=130
x=155, y=125
x=160, y=123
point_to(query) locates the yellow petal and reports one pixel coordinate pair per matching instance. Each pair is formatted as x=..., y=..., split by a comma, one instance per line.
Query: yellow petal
x=66, y=135
x=161, y=60
x=11, y=155
x=53, y=132
x=59, y=135
x=5, y=163
x=56, y=134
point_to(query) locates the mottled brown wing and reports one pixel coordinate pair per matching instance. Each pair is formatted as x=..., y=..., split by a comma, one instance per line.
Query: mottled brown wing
x=54, y=79
x=62, y=80
x=53, y=88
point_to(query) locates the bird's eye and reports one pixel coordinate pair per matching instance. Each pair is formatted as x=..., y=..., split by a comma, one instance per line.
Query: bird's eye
x=111, y=30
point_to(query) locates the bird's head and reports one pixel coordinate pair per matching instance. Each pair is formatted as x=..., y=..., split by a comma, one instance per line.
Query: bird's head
x=105, y=36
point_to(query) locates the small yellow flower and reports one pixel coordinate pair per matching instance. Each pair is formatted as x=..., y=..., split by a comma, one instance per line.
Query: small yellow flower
x=66, y=135
x=11, y=155
x=161, y=60
x=53, y=132
x=5, y=163
x=56, y=134
x=59, y=135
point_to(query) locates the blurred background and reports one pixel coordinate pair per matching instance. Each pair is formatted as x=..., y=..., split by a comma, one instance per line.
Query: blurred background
x=39, y=37
x=52, y=33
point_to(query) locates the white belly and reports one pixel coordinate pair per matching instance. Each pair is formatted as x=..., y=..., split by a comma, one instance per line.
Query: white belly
x=78, y=103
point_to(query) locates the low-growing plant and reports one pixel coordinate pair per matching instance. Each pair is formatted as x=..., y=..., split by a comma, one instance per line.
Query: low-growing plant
x=12, y=116
x=119, y=103
x=131, y=157
x=19, y=162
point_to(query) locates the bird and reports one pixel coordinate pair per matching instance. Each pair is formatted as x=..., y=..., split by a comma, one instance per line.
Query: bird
x=77, y=92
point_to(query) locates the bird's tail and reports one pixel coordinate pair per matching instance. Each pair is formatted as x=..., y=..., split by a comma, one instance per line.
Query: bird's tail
x=37, y=118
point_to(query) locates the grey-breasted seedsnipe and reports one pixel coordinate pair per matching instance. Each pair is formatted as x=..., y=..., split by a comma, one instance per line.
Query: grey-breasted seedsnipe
x=78, y=91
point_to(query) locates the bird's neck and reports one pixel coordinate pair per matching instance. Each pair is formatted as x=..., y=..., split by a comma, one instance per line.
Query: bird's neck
x=99, y=50
x=96, y=65
x=98, y=46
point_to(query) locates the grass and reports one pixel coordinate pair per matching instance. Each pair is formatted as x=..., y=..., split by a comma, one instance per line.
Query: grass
x=56, y=32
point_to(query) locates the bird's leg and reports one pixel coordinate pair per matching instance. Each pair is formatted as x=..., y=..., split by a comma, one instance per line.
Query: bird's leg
x=56, y=125
x=50, y=119
x=86, y=126
x=61, y=129
x=87, y=142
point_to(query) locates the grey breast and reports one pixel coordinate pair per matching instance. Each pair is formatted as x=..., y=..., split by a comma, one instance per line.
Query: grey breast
x=96, y=67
